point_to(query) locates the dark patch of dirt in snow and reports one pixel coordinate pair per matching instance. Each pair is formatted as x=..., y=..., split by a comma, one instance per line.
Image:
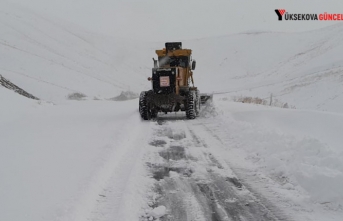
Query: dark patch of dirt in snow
x=161, y=171
x=235, y=182
x=173, y=153
x=215, y=161
x=158, y=143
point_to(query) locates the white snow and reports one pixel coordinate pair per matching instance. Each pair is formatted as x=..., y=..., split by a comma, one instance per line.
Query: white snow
x=56, y=159
x=52, y=59
x=64, y=159
x=158, y=212
x=300, y=149
x=191, y=19
x=302, y=69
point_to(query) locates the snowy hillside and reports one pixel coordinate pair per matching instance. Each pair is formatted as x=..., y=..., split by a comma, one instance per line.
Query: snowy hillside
x=303, y=69
x=51, y=59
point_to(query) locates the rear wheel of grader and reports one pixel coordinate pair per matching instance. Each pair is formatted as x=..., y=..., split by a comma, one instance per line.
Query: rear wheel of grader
x=144, y=107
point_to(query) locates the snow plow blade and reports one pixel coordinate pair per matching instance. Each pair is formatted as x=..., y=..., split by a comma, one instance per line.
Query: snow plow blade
x=206, y=98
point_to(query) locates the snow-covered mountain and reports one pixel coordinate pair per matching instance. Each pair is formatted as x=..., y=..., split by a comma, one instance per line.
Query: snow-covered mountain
x=304, y=69
x=51, y=59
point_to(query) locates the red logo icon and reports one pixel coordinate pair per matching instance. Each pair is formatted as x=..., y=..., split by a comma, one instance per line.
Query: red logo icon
x=282, y=11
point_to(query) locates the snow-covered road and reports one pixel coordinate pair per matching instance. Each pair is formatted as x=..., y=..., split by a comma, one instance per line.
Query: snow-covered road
x=247, y=162
x=97, y=160
x=194, y=181
x=58, y=161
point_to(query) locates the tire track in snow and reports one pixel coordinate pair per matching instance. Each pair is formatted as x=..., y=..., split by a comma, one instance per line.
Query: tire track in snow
x=195, y=184
x=269, y=210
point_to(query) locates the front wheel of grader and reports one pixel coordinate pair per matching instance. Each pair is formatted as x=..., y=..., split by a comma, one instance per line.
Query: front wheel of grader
x=192, y=105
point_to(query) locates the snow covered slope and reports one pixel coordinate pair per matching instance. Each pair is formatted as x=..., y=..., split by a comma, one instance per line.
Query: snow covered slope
x=303, y=69
x=51, y=59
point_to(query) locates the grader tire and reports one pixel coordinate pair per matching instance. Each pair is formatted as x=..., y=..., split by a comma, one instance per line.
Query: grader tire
x=191, y=105
x=143, y=106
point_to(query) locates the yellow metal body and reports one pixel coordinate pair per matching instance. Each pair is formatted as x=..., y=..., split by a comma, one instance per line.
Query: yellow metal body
x=176, y=53
x=185, y=74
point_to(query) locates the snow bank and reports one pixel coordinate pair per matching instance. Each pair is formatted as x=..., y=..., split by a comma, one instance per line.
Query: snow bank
x=14, y=105
x=56, y=159
x=125, y=95
x=299, y=149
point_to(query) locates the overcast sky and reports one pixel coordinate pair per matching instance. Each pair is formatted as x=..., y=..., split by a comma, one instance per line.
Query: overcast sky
x=179, y=20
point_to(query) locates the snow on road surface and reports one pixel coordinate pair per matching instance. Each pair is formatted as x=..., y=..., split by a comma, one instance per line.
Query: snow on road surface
x=97, y=160
x=57, y=161
x=238, y=169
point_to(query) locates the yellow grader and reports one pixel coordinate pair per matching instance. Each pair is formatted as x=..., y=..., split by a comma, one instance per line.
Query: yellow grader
x=172, y=76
